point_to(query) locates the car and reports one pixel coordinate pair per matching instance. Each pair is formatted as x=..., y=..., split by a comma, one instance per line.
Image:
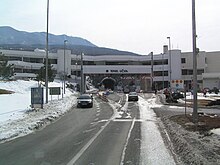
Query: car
x=85, y=100
x=133, y=96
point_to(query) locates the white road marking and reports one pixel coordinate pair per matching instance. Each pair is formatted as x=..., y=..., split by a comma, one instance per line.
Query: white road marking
x=127, y=120
x=89, y=130
x=125, y=146
x=79, y=154
x=96, y=119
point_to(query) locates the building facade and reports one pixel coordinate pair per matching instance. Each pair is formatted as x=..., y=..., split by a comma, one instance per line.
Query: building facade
x=142, y=71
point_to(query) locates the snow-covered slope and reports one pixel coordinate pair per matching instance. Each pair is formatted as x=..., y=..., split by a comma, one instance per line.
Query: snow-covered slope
x=16, y=117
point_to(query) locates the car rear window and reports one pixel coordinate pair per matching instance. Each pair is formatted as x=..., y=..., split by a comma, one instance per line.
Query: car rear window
x=85, y=97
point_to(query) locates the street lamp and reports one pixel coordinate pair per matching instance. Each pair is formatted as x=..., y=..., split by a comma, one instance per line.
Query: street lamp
x=82, y=75
x=152, y=70
x=64, y=70
x=163, y=67
x=76, y=63
x=195, y=114
x=46, y=75
x=170, y=61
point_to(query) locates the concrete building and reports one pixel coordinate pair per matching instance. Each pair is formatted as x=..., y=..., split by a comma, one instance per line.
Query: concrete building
x=116, y=71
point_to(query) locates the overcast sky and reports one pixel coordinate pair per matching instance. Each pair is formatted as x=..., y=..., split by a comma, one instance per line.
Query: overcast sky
x=140, y=26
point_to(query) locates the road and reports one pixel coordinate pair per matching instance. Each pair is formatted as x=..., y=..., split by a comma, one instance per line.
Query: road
x=82, y=136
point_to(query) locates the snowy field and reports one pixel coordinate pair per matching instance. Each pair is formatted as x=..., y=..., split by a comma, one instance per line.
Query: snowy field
x=16, y=117
x=209, y=96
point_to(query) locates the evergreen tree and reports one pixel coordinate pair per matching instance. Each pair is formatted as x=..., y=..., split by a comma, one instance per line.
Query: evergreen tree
x=41, y=75
x=6, y=71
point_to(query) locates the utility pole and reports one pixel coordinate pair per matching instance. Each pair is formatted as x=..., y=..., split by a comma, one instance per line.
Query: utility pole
x=64, y=69
x=195, y=113
x=82, y=75
x=152, y=70
x=170, y=64
x=163, y=68
x=46, y=78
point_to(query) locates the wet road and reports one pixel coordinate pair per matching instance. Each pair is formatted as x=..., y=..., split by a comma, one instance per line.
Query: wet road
x=82, y=136
x=94, y=136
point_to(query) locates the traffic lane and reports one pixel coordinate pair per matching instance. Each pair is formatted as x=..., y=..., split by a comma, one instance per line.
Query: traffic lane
x=133, y=109
x=117, y=142
x=133, y=147
x=109, y=145
x=116, y=97
x=56, y=143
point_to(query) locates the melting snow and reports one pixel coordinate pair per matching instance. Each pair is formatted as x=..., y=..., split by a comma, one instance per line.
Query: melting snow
x=153, y=149
x=16, y=117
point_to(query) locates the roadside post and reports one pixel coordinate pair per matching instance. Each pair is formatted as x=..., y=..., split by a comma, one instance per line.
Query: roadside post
x=185, y=97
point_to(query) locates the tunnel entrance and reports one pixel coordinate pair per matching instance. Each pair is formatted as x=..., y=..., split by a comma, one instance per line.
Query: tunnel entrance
x=109, y=83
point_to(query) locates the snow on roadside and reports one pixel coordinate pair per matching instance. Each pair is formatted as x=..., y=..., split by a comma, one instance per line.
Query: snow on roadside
x=17, y=119
x=216, y=131
x=152, y=142
x=33, y=120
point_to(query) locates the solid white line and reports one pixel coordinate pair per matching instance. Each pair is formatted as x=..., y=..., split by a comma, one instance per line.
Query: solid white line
x=127, y=120
x=79, y=154
x=128, y=137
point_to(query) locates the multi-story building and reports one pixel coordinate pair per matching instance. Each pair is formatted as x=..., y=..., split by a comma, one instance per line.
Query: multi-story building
x=123, y=70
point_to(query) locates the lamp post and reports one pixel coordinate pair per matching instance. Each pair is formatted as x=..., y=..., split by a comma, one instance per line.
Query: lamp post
x=152, y=70
x=169, y=62
x=163, y=68
x=76, y=63
x=46, y=65
x=64, y=69
x=82, y=75
x=195, y=114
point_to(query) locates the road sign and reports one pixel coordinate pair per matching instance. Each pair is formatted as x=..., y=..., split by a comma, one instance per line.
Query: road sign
x=177, y=84
x=37, y=97
x=55, y=91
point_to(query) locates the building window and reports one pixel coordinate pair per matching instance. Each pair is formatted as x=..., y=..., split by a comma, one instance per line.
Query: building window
x=146, y=63
x=160, y=73
x=190, y=71
x=116, y=63
x=33, y=60
x=52, y=61
x=184, y=71
x=200, y=71
x=205, y=60
x=13, y=58
x=75, y=62
x=88, y=63
x=183, y=60
x=76, y=73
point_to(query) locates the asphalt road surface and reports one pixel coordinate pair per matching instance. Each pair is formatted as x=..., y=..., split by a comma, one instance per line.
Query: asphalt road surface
x=83, y=136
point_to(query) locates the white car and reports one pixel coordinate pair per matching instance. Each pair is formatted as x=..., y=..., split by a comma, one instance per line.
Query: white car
x=85, y=100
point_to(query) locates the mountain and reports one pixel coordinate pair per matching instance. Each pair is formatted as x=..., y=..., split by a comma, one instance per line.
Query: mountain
x=11, y=38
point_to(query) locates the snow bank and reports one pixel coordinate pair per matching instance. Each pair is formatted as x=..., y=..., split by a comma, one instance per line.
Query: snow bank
x=16, y=117
x=152, y=142
x=216, y=131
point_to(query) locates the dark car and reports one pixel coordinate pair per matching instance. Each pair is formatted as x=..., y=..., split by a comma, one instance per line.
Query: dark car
x=132, y=96
x=85, y=100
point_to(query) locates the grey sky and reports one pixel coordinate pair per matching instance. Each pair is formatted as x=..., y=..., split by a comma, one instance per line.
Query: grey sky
x=139, y=26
